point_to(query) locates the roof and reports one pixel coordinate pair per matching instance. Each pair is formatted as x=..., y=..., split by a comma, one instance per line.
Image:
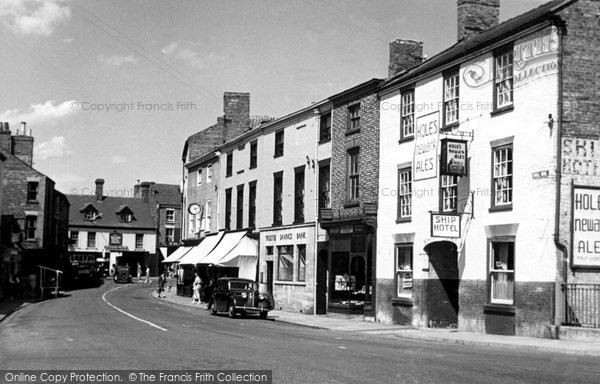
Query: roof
x=484, y=39
x=166, y=194
x=108, y=208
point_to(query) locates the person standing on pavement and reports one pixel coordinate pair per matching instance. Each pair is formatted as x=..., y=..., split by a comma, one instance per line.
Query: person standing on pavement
x=162, y=279
x=147, y=275
x=170, y=277
x=139, y=273
x=196, y=289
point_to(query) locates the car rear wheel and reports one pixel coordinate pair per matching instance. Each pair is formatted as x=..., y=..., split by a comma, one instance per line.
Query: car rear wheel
x=231, y=310
x=263, y=315
x=213, y=308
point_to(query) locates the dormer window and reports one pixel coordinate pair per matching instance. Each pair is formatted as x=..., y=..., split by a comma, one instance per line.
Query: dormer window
x=126, y=217
x=90, y=214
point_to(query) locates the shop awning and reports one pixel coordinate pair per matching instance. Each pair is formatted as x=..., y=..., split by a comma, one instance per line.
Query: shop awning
x=229, y=242
x=200, y=251
x=178, y=254
x=246, y=247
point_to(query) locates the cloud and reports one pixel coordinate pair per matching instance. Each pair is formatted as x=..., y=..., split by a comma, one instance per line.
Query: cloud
x=188, y=55
x=116, y=60
x=33, y=17
x=55, y=147
x=116, y=159
x=39, y=113
x=68, y=40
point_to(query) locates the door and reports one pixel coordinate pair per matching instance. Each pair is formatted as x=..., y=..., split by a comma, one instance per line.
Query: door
x=270, y=276
x=322, y=264
x=442, y=285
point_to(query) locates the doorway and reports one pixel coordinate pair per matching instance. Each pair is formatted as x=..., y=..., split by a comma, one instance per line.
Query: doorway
x=322, y=272
x=442, y=285
x=270, y=276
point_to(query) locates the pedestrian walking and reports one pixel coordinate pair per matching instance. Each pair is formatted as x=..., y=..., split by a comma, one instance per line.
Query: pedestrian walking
x=196, y=289
x=147, y=280
x=139, y=273
x=162, y=279
x=170, y=277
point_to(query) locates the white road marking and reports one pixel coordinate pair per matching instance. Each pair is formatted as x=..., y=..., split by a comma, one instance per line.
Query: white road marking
x=129, y=314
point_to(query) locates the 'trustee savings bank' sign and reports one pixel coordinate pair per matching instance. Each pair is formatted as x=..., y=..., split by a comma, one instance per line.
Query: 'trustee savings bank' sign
x=586, y=227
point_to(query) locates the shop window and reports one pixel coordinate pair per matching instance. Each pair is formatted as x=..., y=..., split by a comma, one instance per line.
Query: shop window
x=353, y=175
x=407, y=112
x=228, y=209
x=503, y=79
x=277, y=198
x=325, y=127
x=91, y=240
x=358, y=244
x=32, y=191
x=253, y=154
x=139, y=240
x=170, y=213
x=239, y=215
x=324, y=187
x=279, y=144
x=404, y=270
x=285, y=263
x=299, y=195
x=451, y=98
x=252, y=205
x=229, y=165
x=30, y=227
x=502, y=177
x=353, y=118
x=449, y=195
x=301, y=262
x=502, y=272
x=404, y=210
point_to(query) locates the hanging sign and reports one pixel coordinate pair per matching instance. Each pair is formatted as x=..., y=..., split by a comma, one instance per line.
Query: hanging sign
x=454, y=157
x=116, y=238
x=445, y=225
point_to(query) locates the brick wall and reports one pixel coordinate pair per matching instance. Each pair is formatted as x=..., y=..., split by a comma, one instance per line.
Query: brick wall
x=368, y=141
x=476, y=16
x=236, y=108
x=205, y=141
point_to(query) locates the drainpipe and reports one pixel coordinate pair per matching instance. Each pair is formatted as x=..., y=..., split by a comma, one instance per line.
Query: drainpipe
x=559, y=245
x=316, y=187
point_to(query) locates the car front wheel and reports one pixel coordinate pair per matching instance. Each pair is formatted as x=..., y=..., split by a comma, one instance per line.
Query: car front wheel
x=231, y=310
x=213, y=308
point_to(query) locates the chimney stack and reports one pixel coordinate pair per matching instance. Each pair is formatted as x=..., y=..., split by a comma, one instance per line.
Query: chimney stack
x=22, y=145
x=145, y=187
x=476, y=16
x=404, y=54
x=5, y=137
x=99, y=189
x=236, y=111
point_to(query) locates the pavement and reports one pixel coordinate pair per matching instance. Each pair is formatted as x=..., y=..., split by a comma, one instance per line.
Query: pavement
x=9, y=306
x=342, y=323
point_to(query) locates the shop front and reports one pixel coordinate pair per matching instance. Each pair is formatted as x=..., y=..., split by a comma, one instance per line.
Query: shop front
x=287, y=266
x=351, y=266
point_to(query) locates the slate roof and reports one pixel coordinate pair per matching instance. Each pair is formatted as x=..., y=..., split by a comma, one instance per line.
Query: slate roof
x=166, y=194
x=108, y=207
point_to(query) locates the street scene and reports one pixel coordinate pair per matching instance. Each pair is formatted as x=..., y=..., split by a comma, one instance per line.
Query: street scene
x=300, y=192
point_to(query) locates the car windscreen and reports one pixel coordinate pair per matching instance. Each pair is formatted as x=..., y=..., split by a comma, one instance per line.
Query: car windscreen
x=242, y=285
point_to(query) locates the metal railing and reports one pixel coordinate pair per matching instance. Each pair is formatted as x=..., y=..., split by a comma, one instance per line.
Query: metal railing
x=50, y=279
x=582, y=305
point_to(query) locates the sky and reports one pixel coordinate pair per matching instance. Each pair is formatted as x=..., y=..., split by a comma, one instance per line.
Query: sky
x=112, y=88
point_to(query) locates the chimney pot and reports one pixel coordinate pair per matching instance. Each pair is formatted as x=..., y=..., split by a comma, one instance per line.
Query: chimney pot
x=145, y=187
x=23, y=128
x=99, y=189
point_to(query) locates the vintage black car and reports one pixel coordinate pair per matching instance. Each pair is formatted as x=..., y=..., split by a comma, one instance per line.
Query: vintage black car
x=122, y=274
x=235, y=295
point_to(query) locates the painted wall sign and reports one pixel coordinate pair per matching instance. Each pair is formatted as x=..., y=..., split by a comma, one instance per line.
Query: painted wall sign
x=286, y=236
x=580, y=156
x=115, y=238
x=586, y=227
x=426, y=146
x=454, y=157
x=116, y=248
x=445, y=225
x=536, y=57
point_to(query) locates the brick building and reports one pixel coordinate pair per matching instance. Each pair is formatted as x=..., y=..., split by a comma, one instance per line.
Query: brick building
x=488, y=160
x=34, y=215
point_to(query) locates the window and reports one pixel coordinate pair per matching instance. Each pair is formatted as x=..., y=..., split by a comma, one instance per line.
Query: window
x=89, y=214
x=228, y=209
x=324, y=187
x=170, y=215
x=209, y=173
x=404, y=193
x=354, y=117
x=192, y=219
x=253, y=154
x=404, y=270
x=229, y=167
x=451, y=94
x=449, y=195
x=503, y=79
x=502, y=181
x=502, y=272
x=139, y=240
x=299, y=195
x=30, y=226
x=285, y=262
x=170, y=235
x=239, y=216
x=277, y=198
x=353, y=174
x=407, y=115
x=74, y=237
x=125, y=217
x=279, y=144
x=32, y=190
x=325, y=127
x=199, y=177
x=207, y=216
x=301, y=262
x=252, y=205
x=91, y=240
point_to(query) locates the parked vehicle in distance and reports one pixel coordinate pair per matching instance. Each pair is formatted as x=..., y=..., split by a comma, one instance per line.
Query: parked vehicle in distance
x=122, y=274
x=236, y=295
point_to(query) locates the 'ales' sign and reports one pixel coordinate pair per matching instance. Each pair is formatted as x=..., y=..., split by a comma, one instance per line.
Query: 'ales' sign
x=586, y=227
x=426, y=142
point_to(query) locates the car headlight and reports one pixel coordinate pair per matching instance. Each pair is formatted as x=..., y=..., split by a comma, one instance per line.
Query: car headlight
x=244, y=295
x=261, y=297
